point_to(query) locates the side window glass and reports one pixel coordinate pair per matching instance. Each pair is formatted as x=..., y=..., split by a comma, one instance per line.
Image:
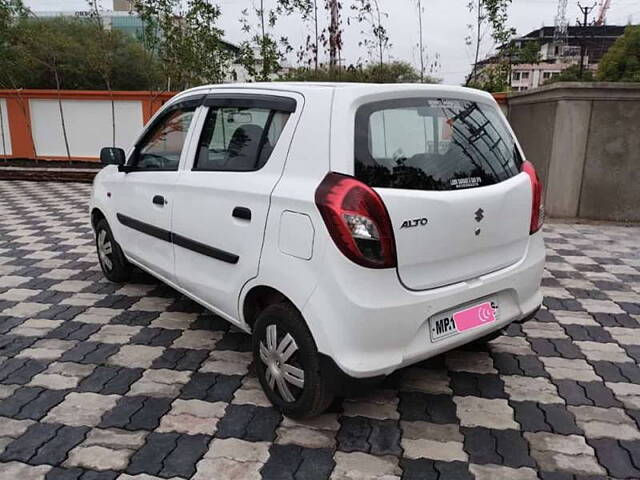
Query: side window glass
x=238, y=139
x=161, y=148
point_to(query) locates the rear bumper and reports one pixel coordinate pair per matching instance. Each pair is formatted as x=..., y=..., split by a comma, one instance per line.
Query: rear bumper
x=369, y=325
x=342, y=383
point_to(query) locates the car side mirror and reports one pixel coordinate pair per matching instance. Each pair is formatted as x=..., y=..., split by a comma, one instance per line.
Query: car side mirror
x=112, y=156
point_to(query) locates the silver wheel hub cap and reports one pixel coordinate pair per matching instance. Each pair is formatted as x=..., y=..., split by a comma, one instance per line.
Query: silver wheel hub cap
x=275, y=356
x=105, y=250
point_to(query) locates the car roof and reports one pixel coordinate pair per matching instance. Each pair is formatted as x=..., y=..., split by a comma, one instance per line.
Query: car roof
x=351, y=89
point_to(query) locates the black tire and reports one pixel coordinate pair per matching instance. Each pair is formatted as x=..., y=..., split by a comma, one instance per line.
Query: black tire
x=314, y=397
x=114, y=264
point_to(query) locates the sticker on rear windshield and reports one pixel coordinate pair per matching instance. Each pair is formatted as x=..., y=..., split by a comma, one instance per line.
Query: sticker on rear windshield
x=444, y=103
x=467, y=182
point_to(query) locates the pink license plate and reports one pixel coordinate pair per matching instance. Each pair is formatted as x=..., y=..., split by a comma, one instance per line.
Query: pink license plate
x=474, y=317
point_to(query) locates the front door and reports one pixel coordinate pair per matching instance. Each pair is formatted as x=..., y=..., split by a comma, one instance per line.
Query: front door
x=144, y=197
x=222, y=199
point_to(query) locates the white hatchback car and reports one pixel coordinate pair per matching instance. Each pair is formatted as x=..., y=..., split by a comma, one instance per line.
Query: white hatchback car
x=353, y=229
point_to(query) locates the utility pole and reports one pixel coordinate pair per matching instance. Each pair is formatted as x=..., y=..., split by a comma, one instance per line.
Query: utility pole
x=585, y=23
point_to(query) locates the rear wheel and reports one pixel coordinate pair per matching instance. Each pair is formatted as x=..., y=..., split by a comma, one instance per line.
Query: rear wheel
x=112, y=261
x=288, y=364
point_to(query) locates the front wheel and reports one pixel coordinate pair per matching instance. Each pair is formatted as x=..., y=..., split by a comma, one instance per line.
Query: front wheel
x=112, y=261
x=288, y=364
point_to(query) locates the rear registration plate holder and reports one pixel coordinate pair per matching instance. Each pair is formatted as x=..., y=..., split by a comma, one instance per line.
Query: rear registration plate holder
x=460, y=319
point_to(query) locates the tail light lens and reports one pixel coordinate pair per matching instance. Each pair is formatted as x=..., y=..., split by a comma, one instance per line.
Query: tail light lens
x=537, y=208
x=357, y=221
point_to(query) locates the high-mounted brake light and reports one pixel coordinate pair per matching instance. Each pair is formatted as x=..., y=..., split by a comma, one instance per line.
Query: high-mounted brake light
x=537, y=206
x=357, y=221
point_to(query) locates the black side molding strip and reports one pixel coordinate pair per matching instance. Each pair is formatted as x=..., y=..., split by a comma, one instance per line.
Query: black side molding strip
x=203, y=249
x=179, y=240
x=150, y=230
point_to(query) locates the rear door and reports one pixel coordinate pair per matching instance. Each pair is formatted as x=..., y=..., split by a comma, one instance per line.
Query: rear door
x=222, y=199
x=448, y=172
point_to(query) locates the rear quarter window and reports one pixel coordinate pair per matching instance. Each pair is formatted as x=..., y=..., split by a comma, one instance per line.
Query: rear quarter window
x=433, y=144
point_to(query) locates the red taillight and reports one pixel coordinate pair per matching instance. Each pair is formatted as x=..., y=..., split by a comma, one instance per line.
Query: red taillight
x=537, y=207
x=357, y=221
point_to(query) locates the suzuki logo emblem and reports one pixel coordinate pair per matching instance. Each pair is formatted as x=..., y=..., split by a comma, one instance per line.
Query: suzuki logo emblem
x=479, y=214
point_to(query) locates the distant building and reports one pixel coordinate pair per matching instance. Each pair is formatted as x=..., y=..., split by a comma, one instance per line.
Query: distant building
x=127, y=22
x=122, y=5
x=555, y=58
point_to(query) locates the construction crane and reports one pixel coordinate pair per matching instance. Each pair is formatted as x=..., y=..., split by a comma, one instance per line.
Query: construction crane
x=561, y=27
x=602, y=12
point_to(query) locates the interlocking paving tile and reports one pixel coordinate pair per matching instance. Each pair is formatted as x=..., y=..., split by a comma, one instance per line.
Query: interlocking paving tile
x=248, y=422
x=293, y=461
x=136, y=413
x=106, y=449
x=106, y=380
x=212, y=387
x=180, y=359
x=427, y=407
x=361, y=434
x=100, y=381
x=31, y=402
x=233, y=458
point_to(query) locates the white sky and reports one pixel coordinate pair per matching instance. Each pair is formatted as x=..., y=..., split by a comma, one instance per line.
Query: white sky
x=445, y=26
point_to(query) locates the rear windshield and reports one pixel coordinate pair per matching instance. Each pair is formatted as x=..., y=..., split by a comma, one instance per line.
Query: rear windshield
x=432, y=144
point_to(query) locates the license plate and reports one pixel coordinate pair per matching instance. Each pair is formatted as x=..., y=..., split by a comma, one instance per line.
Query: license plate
x=456, y=321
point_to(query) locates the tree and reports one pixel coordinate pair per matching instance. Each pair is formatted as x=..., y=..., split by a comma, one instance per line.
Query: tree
x=329, y=38
x=10, y=10
x=49, y=54
x=394, y=72
x=479, y=23
x=100, y=57
x=493, y=15
x=494, y=77
x=335, y=32
x=422, y=51
x=621, y=63
x=571, y=74
x=528, y=53
x=186, y=39
x=309, y=52
x=37, y=49
x=263, y=41
x=376, y=39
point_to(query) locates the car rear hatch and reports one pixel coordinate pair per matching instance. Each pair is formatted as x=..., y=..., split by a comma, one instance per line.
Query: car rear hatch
x=449, y=174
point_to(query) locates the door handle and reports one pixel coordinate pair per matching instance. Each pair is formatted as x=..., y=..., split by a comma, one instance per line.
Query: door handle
x=242, y=213
x=159, y=200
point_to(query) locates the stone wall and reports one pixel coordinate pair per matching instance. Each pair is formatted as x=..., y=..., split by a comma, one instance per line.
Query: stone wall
x=584, y=139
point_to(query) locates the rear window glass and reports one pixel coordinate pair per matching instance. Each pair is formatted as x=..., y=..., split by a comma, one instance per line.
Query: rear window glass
x=432, y=144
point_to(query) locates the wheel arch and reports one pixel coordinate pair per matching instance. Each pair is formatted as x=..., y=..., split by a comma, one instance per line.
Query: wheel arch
x=96, y=216
x=260, y=297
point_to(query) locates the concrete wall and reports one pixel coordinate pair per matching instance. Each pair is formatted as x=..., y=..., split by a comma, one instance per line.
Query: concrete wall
x=89, y=126
x=5, y=134
x=31, y=123
x=584, y=139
